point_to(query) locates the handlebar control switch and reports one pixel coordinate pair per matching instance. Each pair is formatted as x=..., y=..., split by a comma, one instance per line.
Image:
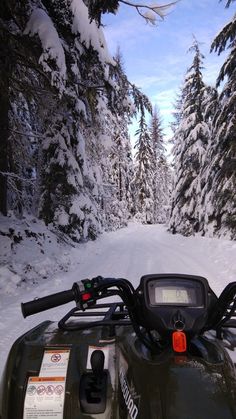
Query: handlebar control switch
x=84, y=293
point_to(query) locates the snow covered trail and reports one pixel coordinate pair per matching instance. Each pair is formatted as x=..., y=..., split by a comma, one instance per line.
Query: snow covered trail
x=130, y=252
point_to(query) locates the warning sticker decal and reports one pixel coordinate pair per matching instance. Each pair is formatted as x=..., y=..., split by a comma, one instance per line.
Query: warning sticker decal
x=55, y=363
x=44, y=398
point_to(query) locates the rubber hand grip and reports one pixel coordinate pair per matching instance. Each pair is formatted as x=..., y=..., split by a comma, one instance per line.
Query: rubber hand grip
x=45, y=303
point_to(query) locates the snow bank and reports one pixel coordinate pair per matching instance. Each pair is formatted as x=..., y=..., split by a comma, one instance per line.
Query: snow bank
x=29, y=252
x=8, y=280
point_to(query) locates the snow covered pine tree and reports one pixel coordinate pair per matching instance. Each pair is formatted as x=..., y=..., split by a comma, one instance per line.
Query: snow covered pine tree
x=162, y=179
x=54, y=151
x=144, y=174
x=190, y=142
x=221, y=198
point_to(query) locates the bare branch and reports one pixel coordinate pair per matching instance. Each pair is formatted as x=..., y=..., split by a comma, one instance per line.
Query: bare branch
x=154, y=9
x=26, y=134
x=14, y=176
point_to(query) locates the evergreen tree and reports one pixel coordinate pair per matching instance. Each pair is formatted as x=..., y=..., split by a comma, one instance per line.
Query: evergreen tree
x=228, y=2
x=221, y=201
x=161, y=178
x=177, y=113
x=190, y=142
x=126, y=101
x=69, y=199
x=23, y=91
x=144, y=172
x=65, y=111
x=210, y=107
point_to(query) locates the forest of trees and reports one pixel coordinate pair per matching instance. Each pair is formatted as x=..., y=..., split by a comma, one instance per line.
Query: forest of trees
x=204, y=198
x=66, y=105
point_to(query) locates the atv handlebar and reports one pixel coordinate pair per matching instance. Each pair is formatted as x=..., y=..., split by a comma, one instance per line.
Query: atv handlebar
x=87, y=291
x=84, y=293
x=203, y=310
x=45, y=303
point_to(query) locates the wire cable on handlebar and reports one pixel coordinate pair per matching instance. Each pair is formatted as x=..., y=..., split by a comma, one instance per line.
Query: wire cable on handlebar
x=127, y=294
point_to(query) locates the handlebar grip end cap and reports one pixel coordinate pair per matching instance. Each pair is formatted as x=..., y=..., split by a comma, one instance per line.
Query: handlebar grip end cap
x=23, y=310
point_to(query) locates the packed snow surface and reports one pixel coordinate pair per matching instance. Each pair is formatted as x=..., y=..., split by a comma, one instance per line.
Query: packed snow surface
x=130, y=253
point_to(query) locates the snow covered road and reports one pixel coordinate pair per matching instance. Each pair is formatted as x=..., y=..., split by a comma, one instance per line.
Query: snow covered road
x=130, y=252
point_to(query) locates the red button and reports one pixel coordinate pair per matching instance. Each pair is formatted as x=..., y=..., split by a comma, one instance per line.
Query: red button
x=86, y=296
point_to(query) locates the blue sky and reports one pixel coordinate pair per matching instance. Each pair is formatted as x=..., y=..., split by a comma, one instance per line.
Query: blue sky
x=156, y=58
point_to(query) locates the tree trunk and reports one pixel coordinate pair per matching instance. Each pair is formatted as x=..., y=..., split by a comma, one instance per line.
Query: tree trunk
x=4, y=120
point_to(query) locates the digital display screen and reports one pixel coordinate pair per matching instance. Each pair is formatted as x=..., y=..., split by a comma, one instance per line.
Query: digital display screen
x=176, y=292
x=173, y=295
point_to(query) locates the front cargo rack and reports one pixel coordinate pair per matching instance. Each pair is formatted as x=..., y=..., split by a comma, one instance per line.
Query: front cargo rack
x=110, y=314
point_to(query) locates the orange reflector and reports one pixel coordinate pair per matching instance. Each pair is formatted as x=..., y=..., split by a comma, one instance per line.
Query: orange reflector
x=86, y=296
x=179, y=342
